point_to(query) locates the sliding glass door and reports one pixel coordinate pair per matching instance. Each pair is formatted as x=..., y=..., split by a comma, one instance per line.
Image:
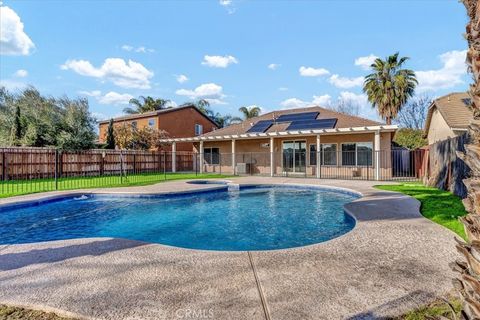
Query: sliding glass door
x=294, y=156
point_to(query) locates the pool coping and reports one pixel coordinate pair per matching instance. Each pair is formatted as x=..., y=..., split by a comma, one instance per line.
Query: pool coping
x=268, y=285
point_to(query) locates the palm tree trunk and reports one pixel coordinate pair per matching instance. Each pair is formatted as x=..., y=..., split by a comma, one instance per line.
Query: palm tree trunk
x=468, y=283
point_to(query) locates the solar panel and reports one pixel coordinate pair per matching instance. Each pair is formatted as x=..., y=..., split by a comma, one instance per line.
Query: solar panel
x=313, y=124
x=260, y=126
x=297, y=116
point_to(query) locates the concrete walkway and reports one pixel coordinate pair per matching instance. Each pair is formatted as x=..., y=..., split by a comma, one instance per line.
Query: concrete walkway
x=391, y=262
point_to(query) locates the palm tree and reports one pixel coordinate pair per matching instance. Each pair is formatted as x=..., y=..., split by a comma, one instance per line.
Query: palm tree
x=389, y=86
x=147, y=104
x=250, y=112
x=468, y=283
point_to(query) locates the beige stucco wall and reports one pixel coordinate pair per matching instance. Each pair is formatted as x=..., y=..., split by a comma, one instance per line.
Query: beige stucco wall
x=257, y=151
x=439, y=129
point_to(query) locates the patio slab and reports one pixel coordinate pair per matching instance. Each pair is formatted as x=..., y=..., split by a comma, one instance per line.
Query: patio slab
x=392, y=261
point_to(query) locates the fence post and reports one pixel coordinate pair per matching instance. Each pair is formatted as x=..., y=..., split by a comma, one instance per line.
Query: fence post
x=165, y=165
x=377, y=155
x=56, y=169
x=4, y=166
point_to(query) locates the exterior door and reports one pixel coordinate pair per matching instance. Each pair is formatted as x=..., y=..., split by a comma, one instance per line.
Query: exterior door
x=294, y=156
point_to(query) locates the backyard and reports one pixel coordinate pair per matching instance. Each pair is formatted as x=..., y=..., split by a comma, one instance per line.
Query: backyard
x=20, y=187
x=440, y=206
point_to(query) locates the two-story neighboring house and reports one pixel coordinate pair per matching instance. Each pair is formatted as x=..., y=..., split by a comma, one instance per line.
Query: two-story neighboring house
x=180, y=122
x=448, y=117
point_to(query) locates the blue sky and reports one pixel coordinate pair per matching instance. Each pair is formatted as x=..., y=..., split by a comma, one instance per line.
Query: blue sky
x=274, y=54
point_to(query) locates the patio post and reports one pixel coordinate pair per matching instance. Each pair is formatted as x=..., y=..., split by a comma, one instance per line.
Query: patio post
x=318, y=173
x=174, y=157
x=201, y=157
x=233, y=157
x=377, y=154
x=272, y=158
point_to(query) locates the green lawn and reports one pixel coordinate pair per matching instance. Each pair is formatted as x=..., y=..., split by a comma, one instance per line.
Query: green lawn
x=439, y=206
x=15, y=188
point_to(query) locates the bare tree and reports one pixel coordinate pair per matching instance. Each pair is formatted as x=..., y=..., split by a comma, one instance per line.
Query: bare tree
x=414, y=113
x=346, y=106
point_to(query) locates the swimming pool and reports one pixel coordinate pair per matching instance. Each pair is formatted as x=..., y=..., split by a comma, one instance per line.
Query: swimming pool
x=252, y=218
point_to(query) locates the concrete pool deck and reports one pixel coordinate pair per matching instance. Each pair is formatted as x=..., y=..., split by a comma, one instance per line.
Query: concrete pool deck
x=392, y=261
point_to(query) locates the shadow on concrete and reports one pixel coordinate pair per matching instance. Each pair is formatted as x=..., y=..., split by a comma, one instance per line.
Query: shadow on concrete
x=413, y=299
x=11, y=261
x=384, y=206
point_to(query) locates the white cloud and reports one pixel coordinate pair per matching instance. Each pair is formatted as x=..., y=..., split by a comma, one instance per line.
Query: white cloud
x=111, y=97
x=181, y=78
x=273, y=66
x=292, y=103
x=22, y=73
x=283, y=89
x=115, y=98
x=13, y=40
x=209, y=91
x=228, y=5
x=219, y=61
x=312, y=72
x=449, y=75
x=116, y=70
x=94, y=93
x=141, y=49
x=342, y=82
x=12, y=85
x=365, y=62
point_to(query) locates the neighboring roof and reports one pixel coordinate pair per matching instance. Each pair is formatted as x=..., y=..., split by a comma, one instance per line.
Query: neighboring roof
x=343, y=121
x=345, y=124
x=157, y=112
x=454, y=109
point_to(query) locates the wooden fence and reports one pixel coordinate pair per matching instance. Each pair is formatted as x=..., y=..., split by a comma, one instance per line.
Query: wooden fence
x=39, y=163
x=443, y=168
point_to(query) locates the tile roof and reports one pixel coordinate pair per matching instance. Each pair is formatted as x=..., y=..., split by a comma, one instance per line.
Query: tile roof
x=344, y=121
x=454, y=109
x=155, y=113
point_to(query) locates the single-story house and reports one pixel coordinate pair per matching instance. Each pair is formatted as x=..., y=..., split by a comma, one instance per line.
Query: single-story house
x=311, y=141
x=180, y=122
x=448, y=117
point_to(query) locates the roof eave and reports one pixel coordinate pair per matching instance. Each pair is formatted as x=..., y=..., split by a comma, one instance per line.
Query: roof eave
x=245, y=136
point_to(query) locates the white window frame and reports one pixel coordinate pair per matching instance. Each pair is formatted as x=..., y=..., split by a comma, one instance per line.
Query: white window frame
x=153, y=122
x=198, y=129
x=211, y=157
x=356, y=154
x=323, y=155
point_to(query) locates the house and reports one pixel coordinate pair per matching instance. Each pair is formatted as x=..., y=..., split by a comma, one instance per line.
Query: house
x=448, y=117
x=185, y=121
x=311, y=141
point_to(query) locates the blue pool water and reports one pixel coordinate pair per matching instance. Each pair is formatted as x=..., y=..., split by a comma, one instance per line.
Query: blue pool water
x=255, y=218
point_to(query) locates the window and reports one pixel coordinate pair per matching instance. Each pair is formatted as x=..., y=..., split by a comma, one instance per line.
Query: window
x=364, y=153
x=211, y=155
x=328, y=154
x=134, y=125
x=357, y=154
x=151, y=123
x=348, y=154
x=198, y=129
x=313, y=154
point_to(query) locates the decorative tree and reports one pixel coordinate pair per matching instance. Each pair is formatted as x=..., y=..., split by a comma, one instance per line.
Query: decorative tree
x=250, y=112
x=110, y=140
x=146, y=104
x=468, y=283
x=17, y=127
x=390, y=86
